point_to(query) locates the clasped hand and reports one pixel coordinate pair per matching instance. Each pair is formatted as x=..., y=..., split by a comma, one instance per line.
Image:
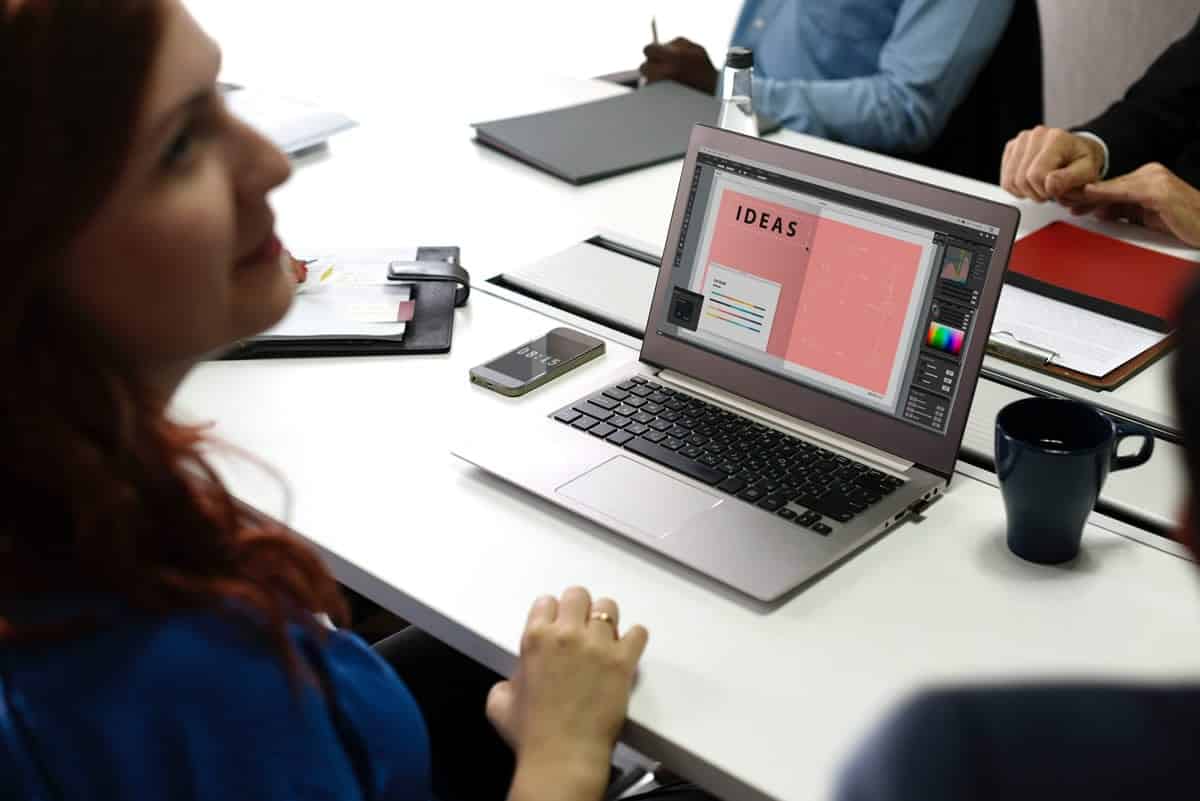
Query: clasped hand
x=1052, y=164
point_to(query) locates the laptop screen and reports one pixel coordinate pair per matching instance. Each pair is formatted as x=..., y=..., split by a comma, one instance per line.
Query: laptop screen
x=855, y=295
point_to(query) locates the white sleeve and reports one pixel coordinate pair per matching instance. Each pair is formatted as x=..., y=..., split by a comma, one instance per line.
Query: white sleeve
x=1103, y=146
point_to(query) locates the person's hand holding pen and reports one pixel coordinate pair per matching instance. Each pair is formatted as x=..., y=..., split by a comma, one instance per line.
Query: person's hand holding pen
x=678, y=60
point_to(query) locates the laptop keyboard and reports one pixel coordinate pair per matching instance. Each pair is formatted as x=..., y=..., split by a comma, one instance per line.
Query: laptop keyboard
x=797, y=480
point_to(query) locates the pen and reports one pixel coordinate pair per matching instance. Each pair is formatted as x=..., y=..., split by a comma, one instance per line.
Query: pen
x=654, y=30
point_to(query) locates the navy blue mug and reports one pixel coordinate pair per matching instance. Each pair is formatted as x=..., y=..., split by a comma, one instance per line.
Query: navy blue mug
x=1052, y=457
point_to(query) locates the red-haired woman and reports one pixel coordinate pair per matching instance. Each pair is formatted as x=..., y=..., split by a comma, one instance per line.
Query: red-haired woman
x=154, y=641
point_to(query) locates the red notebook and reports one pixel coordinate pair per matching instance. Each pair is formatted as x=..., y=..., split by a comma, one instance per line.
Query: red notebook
x=1101, y=273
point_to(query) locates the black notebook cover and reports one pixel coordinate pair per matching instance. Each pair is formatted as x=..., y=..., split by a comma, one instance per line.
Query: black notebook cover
x=430, y=331
x=605, y=137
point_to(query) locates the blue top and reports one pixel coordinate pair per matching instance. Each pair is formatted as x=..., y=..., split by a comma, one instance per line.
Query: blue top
x=196, y=707
x=1033, y=743
x=880, y=74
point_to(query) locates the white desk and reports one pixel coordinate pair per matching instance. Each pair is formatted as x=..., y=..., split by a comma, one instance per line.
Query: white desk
x=753, y=702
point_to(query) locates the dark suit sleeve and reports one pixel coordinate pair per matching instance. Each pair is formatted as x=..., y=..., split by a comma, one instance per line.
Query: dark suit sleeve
x=1159, y=117
x=1032, y=743
x=917, y=754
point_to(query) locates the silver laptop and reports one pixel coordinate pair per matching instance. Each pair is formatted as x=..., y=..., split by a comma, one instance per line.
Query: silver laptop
x=813, y=346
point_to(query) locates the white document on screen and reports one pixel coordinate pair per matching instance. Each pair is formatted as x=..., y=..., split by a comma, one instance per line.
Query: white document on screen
x=739, y=306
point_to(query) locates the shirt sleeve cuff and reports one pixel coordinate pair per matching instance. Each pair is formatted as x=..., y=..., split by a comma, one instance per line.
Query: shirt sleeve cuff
x=1103, y=147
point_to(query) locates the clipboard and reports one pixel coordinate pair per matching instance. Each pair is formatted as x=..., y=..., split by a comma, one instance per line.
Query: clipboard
x=1036, y=358
x=1098, y=274
x=439, y=286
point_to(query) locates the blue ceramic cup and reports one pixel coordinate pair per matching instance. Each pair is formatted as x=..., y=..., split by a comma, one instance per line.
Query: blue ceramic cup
x=1052, y=457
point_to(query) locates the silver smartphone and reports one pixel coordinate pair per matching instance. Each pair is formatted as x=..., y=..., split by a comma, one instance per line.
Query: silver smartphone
x=537, y=361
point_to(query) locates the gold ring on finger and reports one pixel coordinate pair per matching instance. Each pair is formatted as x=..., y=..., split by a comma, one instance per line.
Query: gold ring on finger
x=604, y=616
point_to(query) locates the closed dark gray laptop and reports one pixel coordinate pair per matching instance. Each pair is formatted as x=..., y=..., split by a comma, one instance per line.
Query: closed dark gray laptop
x=809, y=362
x=607, y=137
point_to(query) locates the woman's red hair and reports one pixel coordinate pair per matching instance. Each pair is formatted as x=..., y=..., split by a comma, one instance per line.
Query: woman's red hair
x=102, y=493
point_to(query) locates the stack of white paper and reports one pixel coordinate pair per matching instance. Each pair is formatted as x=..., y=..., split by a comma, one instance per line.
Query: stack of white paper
x=291, y=124
x=346, y=299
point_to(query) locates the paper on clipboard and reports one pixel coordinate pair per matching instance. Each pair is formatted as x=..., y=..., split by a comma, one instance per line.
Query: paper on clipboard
x=1075, y=338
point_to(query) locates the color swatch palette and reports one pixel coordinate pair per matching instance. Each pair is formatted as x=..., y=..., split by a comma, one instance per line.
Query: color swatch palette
x=731, y=309
x=946, y=339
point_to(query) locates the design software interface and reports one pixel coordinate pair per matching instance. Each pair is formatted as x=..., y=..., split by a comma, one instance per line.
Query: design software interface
x=849, y=293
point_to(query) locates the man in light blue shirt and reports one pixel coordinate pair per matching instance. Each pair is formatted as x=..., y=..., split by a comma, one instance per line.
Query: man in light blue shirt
x=880, y=74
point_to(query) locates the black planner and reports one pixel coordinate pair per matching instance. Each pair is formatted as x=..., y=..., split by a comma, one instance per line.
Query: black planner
x=437, y=289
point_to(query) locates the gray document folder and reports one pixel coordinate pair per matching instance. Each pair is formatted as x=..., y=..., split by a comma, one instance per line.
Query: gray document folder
x=606, y=137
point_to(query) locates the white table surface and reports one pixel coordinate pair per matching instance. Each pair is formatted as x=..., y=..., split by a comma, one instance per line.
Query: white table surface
x=754, y=702
x=748, y=699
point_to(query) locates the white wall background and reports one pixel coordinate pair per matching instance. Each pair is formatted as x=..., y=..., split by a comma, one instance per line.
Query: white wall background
x=1093, y=49
x=406, y=49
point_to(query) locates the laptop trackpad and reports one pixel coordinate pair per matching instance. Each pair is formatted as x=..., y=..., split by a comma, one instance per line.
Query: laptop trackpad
x=645, y=499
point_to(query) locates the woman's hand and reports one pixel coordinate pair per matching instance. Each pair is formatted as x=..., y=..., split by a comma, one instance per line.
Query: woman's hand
x=563, y=709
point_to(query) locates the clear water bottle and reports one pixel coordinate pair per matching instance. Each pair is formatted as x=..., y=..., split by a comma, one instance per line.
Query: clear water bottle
x=737, y=102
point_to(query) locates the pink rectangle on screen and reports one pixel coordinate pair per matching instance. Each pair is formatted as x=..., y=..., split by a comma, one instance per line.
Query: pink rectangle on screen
x=851, y=312
x=776, y=253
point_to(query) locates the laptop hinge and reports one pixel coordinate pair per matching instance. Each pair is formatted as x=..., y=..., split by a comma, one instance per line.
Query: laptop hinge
x=879, y=458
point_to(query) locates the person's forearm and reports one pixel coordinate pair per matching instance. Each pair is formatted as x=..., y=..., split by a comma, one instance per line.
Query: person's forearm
x=925, y=69
x=562, y=777
x=874, y=112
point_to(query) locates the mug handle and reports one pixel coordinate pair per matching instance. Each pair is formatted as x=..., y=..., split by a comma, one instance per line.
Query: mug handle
x=1124, y=432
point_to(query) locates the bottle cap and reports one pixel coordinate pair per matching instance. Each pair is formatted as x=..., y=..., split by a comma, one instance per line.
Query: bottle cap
x=740, y=58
